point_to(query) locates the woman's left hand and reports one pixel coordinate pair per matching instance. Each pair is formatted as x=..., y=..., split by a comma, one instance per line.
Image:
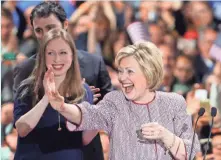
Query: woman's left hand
x=154, y=131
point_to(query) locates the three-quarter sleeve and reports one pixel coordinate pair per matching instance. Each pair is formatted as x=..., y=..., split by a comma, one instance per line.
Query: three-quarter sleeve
x=21, y=107
x=97, y=117
x=183, y=127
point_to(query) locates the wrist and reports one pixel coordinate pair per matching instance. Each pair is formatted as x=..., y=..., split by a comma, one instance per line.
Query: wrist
x=168, y=139
x=45, y=99
x=62, y=107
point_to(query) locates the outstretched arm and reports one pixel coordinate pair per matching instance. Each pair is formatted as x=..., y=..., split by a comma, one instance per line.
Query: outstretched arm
x=85, y=115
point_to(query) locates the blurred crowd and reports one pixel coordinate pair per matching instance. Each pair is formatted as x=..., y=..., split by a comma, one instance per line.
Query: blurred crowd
x=184, y=31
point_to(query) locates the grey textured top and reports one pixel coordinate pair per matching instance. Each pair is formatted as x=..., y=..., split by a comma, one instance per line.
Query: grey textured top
x=122, y=120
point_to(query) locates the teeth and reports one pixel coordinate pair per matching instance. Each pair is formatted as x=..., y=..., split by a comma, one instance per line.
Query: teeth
x=58, y=66
x=127, y=85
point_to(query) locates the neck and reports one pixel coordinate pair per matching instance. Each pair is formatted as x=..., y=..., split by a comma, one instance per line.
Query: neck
x=58, y=80
x=148, y=97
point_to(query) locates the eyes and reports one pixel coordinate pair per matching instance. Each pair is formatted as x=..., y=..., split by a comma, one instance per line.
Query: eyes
x=54, y=53
x=128, y=71
x=47, y=28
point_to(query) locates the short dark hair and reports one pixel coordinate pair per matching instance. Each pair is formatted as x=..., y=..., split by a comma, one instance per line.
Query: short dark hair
x=45, y=9
x=6, y=13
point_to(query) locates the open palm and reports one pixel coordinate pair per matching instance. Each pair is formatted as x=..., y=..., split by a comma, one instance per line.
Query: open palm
x=55, y=99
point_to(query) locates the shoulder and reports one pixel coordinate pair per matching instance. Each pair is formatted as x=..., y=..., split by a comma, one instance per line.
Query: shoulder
x=115, y=96
x=172, y=100
x=87, y=55
x=171, y=96
x=27, y=63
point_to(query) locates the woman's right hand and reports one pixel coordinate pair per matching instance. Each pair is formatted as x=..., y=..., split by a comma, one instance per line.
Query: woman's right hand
x=54, y=98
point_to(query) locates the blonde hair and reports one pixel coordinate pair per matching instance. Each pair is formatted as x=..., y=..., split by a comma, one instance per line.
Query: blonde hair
x=71, y=86
x=149, y=58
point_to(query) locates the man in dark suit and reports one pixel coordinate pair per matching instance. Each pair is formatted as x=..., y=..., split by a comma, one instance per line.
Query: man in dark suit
x=49, y=15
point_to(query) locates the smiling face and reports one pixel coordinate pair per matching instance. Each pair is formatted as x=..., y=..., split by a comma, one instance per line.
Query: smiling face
x=58, y=54
x=132, y=79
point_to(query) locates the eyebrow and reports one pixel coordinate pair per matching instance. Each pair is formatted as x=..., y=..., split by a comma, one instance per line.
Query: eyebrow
x=126, y=68
x=47, y=50
x=50, y=25
x=47, y=26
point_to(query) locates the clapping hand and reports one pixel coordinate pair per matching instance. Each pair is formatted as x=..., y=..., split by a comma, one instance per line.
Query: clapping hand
x=55, y=99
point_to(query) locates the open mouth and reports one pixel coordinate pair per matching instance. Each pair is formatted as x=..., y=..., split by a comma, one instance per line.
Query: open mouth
x=57, y=66
x=128, y=87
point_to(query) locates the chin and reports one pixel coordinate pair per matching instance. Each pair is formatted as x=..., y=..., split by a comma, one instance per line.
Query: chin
x=57, y=74
x=129, y=96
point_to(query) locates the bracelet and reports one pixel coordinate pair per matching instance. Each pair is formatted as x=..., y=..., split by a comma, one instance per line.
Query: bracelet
x=169, y=147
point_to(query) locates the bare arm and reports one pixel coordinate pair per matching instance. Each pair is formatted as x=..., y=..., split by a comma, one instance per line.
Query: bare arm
x=91, y=41
x=108, y=11
x=26, y=123
x=83, y=8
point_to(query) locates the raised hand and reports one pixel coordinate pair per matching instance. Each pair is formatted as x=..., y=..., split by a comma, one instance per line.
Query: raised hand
x=48, y=81
x=55, y=99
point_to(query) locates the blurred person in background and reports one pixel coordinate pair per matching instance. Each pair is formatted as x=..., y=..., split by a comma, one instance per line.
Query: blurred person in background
x=203, y=63
x=148, y=12
x=29, y=45
x=9, y=55
x=18, y=17
x=124, y=13
x=156, y=33
x=184, y=75
x=170, y=40
x=216, y=148
x=168, y=66
x=172, y=14
x=99, y=29
x=8, y=133
x=9, y=40
x=216, y=144
x=202, y=16
x=169, y=56
x=167, y=82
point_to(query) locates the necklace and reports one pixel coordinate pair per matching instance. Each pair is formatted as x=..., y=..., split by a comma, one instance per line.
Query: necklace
x=59, y=122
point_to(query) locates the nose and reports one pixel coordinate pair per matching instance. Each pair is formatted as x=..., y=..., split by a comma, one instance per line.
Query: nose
x=56, y=58
x=122, y=76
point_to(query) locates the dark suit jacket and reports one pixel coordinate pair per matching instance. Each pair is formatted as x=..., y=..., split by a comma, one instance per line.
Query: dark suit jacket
x=95, y=73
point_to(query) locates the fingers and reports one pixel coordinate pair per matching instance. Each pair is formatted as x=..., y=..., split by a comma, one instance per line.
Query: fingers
x=151, y=124
x=97, y=95
x=95, y=100
x=52, y=82
x=151, y=130
x=94, y=90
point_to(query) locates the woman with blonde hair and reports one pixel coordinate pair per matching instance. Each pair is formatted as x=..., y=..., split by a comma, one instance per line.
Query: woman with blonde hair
x=142, y=123
x=43, y=132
